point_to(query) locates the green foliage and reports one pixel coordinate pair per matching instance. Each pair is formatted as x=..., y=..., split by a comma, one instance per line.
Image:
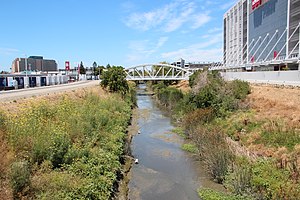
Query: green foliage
x=76, y=151
x=190, y=148
x=208, y=194
x=239, y=179
x=115, y=79
x=276, y=134
x=179, y=131
x=213, y=150
x=270, y=182
x=240, y=89
x=81, y=68
x=2, y=120
x=261, y=180
x=19, y=177
x=169, y=96
x=192, y=78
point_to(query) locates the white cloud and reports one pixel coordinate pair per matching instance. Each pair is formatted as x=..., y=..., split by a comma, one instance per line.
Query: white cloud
x=8, y=51
x=169, y=18
x=204, y=51
x=200, y=20
x=144, y=49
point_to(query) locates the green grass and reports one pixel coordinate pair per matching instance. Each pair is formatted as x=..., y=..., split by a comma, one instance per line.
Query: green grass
x=82, y=146
x=179, y=131
x=190, y=148
x=209, y=194
x=280, y=138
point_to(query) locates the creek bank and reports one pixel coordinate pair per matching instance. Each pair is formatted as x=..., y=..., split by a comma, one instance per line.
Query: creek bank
x=164, y=171
x=254, y=158
x=65, y=151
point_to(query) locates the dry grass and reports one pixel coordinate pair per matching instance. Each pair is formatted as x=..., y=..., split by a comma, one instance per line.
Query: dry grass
x=183, y=86
x=15, y=106
x=272, y=102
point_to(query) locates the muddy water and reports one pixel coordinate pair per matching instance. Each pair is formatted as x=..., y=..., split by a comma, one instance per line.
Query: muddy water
x=164, y=172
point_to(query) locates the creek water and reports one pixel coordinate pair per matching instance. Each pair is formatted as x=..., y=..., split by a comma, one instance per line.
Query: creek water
x=164, y=171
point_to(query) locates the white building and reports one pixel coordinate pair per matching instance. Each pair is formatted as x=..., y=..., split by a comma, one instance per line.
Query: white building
x=235, y=34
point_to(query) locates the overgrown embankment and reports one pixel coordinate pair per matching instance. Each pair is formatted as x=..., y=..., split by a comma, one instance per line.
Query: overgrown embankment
x=70, y=147
x=216, y=115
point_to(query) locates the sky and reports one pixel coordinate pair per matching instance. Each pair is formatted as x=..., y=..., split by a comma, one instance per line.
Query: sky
x=115, y=32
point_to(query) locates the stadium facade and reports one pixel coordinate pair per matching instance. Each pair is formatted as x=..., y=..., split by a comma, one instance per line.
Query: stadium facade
x=262, y=35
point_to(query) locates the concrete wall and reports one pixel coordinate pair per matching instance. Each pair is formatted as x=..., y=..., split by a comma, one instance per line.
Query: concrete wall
x=271, y=77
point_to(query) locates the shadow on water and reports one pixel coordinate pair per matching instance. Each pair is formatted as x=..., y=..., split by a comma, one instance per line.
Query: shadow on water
x=164, y=170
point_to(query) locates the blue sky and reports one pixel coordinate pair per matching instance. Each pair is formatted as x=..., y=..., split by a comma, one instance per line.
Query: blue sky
x=118, y=32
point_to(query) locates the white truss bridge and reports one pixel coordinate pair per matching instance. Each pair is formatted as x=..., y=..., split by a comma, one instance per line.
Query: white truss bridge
x=151, y=72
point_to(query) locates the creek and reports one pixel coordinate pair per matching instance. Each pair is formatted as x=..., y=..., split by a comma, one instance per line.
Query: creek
x=164, y=171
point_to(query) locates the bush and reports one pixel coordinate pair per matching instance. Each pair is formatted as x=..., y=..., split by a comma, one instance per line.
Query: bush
x=19, y=177
x=240, y=89
x=208, y=194
x=213, y=150
x=115, y=79
x=190, y=148
x=239, y=179
x=197, y=117
x=276, y=134
x=86, y=143
x=169, y=96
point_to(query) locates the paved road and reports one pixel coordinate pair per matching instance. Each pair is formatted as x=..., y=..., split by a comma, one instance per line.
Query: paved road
x=25, y=93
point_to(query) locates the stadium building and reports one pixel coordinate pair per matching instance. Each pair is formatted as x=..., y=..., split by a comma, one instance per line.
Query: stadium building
x=271, y=41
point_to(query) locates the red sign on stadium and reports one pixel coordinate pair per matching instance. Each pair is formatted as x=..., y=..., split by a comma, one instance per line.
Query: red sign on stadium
x=67, y=65
x=255, y=4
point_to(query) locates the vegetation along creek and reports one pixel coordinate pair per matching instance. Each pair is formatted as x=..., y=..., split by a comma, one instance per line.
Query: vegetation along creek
x=164, y=171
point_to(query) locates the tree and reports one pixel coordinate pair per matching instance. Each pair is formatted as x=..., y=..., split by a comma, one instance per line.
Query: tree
x=82, y=70
x=94, y=67
x=99, y=70
x=115, y=80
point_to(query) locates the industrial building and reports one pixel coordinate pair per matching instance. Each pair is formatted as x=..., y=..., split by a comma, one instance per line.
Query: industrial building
x=34, y=63
x=262, y=35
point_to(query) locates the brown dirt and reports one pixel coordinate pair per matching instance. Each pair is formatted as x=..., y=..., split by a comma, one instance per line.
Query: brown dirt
x=183, y=86
x=271, y=102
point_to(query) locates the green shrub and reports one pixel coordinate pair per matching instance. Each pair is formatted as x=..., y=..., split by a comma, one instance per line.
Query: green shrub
x=269, y=182
x=217, y=160
x=276, y=134
x=86, y=143
x=179, y=131
x=115, y=79
x=239, y=179
x=2, y=120
x=19, y=177
x=169, y=96
x=190, y=148
x=240, y=89
x=209, y=194
x=213, y=150
x=58, y=150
